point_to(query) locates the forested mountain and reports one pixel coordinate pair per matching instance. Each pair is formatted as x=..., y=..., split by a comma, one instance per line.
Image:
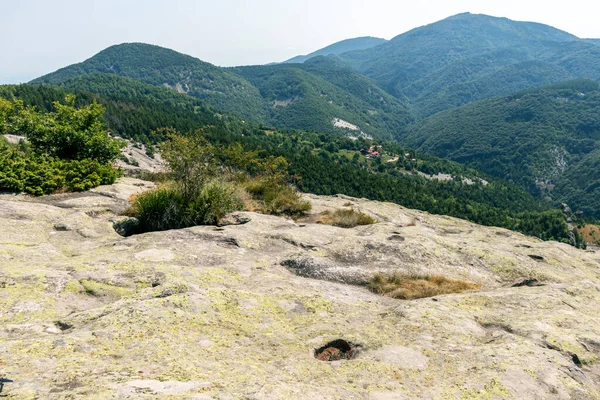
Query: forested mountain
x=163, y=67
x=406, y=89
x=469, y=57
x=288, y=96
x=309, y=97
x=543, y=138
x=343, y=46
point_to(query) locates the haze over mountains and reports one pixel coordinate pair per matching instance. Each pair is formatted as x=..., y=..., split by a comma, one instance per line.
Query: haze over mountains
x=344, y=46
x=411, y=89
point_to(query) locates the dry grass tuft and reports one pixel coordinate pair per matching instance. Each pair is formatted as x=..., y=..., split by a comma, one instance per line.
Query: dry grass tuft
x=345, y=218
x=413, y=286
x=590, y=233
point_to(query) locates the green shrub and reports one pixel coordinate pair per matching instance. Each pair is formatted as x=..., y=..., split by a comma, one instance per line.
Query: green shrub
x=166, y=208
x=277, y=199
x=38, y=175
x=159, y=210
x=215, y=200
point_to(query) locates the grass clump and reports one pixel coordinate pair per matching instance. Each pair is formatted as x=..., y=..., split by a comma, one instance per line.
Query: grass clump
x=345, y=218
x=271, y=197
x=414, y=286
x=166, y=207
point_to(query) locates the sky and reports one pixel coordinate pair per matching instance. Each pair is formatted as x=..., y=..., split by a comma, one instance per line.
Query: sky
x=40, y=36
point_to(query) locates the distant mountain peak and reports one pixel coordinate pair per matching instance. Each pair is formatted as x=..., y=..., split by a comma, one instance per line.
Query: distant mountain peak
x=359, y=43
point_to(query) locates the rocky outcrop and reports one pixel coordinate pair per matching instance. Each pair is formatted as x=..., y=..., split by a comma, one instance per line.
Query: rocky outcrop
x=237, y=311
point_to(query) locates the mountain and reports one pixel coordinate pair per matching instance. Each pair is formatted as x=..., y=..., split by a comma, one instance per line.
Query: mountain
x=163, y=67
x=344, y=46
x=469, y=57
x=545, y=139
x=326, y=97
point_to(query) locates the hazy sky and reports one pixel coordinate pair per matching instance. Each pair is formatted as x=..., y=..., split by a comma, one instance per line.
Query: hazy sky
x=40, y=36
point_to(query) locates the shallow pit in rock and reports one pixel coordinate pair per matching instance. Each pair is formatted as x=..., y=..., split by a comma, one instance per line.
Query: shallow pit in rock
x=530, y=282
x=338, y=349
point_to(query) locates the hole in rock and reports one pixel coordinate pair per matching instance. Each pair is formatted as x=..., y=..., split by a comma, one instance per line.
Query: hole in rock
x=528, y=282
x=536, y=257
x=63, y=326
x=338, y=349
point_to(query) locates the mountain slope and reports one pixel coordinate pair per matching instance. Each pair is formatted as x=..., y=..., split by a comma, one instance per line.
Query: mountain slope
x=133, y=109
x=539, y=138
x=163, y=67
x=287, y=95
x=311, y=97
x=469, y=57
x=343, y=46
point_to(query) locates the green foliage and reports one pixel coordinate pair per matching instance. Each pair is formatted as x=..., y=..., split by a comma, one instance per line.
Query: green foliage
x=159, y=210
x=167, y=208
x=192, y=161
x=6, y=113
x=539, y=138
x=66, y=150
x=214, y=201
x=134, y=110
x=40, y=174
x=277, y=198
x=68, y=133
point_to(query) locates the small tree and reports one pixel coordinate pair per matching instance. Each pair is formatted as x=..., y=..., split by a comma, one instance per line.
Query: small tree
x=192, y=160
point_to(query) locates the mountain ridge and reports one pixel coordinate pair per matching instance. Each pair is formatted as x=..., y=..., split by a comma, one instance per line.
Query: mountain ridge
x=343, y=46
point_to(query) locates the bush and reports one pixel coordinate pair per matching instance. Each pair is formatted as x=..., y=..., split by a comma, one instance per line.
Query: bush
x=38, y=175
x=215, y=200
x=68, y=149
x=277, y=199
x=166, y=208
x=159, y=210
x=413, y=286
x=67, y=133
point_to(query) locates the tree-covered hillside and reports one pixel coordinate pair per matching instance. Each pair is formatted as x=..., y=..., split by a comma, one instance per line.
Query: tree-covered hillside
x=469, y=57
x=543, y=138
x=287, y=95
x=343, y=46
x=134, y=110
x=310, y=97
x=163, y=67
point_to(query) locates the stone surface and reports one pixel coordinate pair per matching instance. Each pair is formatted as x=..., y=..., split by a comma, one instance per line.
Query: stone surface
x=222, y=312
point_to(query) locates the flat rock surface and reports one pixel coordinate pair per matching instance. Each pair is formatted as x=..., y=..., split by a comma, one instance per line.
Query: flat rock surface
x=236, y=311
